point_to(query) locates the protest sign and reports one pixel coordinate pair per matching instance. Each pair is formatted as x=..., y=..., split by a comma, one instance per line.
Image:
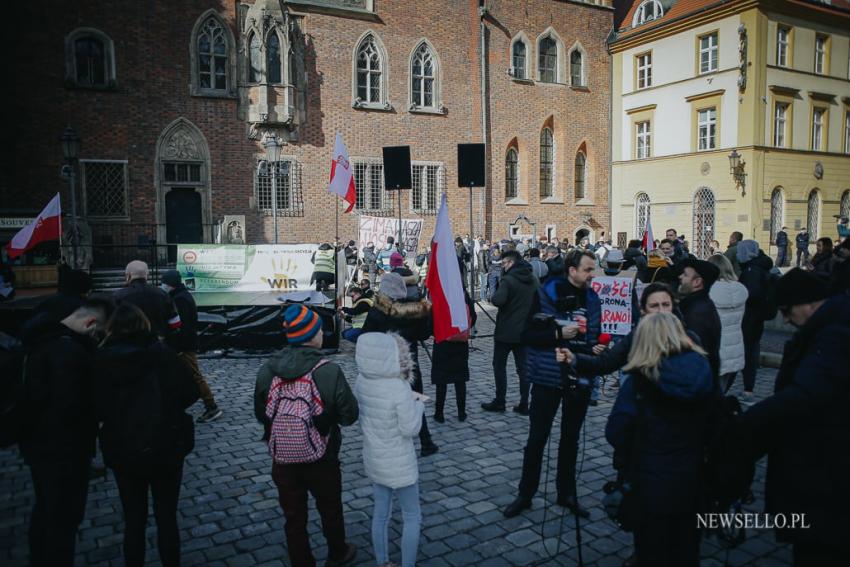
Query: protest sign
x=377, y=229
x=615, y=294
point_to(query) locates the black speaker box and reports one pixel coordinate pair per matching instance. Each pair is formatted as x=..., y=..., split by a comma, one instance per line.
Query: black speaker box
x=397, y=167
x=470, y=165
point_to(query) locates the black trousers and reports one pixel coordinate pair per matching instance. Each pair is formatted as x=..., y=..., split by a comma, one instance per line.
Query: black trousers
x=133, y=486
x=460, y=395
x=500, y=370
x=819, y=554
x=752, y=349
x=61, y=490
x=545, y=402
x=424, y=434
x=668, y=541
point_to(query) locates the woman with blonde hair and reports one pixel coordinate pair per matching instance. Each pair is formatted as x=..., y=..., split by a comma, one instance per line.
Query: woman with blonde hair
x=730, y=299
x=658, y=429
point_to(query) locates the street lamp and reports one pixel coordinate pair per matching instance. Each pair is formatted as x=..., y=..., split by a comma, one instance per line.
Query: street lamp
x=736, y=168
x=272, y=145
x=70, y=147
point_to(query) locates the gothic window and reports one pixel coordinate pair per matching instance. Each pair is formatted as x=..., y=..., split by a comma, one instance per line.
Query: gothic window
x=511, y=174
x=580, y=174
x=370, y=74
x=576, y=69
x=702, y=222
x=813, y=215
x=212, y=56
x=548, y=60
x=255, y=60
x=423, y=73
x=547, y=163
x=89, y=59
x=519, y=60
x=777, y=204
x=642, y=206
x=273, y=59
x=104, y=188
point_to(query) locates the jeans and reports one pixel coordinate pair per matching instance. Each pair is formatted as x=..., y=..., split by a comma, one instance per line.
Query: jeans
x=191, y=360
x=351, y=334
x=408, y=497
x=500, y=370
x=545, y=401
x=482, y=285
x=133, y=488
x=323, y=480
x=782, y=257
x=61, y=489
x=492, y=284
x=804, y=252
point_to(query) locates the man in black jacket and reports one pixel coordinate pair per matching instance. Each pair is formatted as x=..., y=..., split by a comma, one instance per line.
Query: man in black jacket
x=755, y=275
x=698, y=311
x=58, y=438
x=154, y=302
x=782, y=247
x=802, y=242
x=804, y=428
x=185, y=340
x=513, y=297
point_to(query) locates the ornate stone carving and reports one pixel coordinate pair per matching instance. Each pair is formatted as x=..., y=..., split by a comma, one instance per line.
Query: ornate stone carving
x=705, y=168
x=181, y=146
x=742, y=56
x=818, y=170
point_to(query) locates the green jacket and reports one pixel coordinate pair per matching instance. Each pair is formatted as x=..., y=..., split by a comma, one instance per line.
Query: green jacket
x=295, y=361
x=514, y=297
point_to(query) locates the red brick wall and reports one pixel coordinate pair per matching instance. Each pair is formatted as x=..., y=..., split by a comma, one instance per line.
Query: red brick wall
x=153, y=67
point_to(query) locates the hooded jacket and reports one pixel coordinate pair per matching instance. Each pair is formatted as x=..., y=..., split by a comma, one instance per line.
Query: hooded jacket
x=340, y=404
x=755, y=275
x=410, y=319
x=513, y=298
x=389, y=415
x=672, y=436
x=186, y=338
x=700, y=316
x=730, y=298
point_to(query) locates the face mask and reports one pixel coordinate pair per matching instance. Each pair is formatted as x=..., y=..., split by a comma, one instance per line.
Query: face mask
x=165, y=287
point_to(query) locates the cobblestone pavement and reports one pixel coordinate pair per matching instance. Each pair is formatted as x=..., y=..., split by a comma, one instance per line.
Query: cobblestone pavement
x=229, y=514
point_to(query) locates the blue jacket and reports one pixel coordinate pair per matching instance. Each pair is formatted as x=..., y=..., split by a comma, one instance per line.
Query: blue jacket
x=541, y=367
x=668, y=472
x=781, y=239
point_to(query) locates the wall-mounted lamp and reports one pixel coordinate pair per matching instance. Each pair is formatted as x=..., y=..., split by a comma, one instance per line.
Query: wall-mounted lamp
x=736, y=168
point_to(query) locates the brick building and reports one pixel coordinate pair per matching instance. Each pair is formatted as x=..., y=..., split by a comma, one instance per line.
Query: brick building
x=172, y=102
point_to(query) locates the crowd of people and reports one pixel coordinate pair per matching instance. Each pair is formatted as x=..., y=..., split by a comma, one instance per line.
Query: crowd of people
x=124, y=370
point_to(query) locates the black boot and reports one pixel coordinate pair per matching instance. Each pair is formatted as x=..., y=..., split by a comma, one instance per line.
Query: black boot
x=516, y=507
x=495, y=405
x=460, y=394
x=571, y=504
x=441, y=403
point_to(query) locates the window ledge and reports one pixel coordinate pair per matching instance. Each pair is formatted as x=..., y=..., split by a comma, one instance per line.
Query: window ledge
x=548, y=84
x=107, y=218
x=439, y=111
x=381, y=107
x=425, y=212
x=551, y=201
x=199, y=93
x=584, y=202
x=516, y=201
x=580, y=88
x=522, y=81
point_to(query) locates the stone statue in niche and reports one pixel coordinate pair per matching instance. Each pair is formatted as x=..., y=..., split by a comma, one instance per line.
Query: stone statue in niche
x=181, y=146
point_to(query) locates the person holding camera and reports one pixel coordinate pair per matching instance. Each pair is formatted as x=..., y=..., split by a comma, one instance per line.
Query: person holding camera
x=566, y=312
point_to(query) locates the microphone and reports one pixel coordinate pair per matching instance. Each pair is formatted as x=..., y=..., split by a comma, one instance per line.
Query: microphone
x=604, y=339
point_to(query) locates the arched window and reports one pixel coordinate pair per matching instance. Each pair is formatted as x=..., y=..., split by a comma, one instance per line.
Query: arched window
x=423, y=74
x=702, y=222
x=547, y=163
x=813, y=215
x=273, y=60
x=648, y=11
x=547, y=63
x=511, y=174
x=576, y=71
x=580, y=174
x=519, y=65
x=642, y=204
x=844, y=209
x=370, y=67
x=777, y=204
x=89, y=59
x=255, y=60
x=212, y=56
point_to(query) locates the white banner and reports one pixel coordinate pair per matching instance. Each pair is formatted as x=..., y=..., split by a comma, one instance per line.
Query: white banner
x=377, y=229
x=615, y=293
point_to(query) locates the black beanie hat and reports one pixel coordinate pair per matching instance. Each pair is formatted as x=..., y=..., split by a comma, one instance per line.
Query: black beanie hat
x=706, y=270
x=799, y=286
x=171, y=277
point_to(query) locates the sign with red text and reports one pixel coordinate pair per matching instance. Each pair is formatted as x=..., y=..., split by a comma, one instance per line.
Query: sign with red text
x=377, y=229
x=615, y=294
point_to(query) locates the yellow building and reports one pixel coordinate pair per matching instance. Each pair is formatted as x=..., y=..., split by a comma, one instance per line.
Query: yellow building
x=698, y=82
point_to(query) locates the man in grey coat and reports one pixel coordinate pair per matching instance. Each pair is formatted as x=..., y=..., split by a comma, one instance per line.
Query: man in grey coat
x=513, y=298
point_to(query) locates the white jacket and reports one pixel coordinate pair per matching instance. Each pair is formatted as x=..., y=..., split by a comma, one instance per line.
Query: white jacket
x=389, y=416
x=730, y=299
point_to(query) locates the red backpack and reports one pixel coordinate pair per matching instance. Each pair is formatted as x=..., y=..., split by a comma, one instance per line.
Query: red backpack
x=291, y=407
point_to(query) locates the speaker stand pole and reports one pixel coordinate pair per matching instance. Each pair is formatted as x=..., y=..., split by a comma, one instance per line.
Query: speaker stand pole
x=399, y=244
x=471, y=251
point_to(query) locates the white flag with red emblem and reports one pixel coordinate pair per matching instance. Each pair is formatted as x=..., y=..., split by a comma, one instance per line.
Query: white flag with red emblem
x=342, y=175
x=46, y=226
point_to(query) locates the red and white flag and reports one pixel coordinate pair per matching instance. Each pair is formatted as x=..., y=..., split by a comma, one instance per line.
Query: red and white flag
x=342, y=175
x=46, y=226
x=451, y=316
x=648, y=242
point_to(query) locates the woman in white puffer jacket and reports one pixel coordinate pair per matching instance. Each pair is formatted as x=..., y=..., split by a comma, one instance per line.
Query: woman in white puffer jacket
x=390, y=416
x=730, y=298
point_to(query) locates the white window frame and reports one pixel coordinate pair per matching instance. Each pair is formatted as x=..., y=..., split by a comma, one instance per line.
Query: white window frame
x=86, y=189
x=559, y=57
x=707, y=128
x=429, y=193
x=820, y=54
x=818, y=115
x=370, y=39
x=425, y=48
x=780, y=119
x=643, y=139
x=783, y=37
x=644, y=70
x=709, y=54
x=649, y=10
x=582, y=78
x=512, y=71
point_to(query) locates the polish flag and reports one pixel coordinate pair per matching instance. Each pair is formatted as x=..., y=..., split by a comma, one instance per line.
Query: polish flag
x=46, y=226
x=451, y=316
x=342, y=176
x=648, y=242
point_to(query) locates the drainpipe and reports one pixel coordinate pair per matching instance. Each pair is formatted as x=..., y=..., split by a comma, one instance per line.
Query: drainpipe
x=484, y=200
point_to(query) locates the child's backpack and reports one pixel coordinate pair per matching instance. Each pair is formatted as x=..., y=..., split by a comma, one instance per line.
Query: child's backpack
x=291, y=407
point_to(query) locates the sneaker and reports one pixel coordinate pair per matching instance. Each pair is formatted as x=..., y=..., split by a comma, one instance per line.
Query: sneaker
x=493, y=406
x=521, y=409
x=349, y=556
x=209, y=415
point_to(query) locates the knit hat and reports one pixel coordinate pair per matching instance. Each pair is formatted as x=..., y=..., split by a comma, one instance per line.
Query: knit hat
x=76, y=282
x=614, y=256
x=799, y=286
x=706, y=270
x=746, y=251
x=396, y=260
x=301, y=324
x=171, y=277
x=392, y=286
